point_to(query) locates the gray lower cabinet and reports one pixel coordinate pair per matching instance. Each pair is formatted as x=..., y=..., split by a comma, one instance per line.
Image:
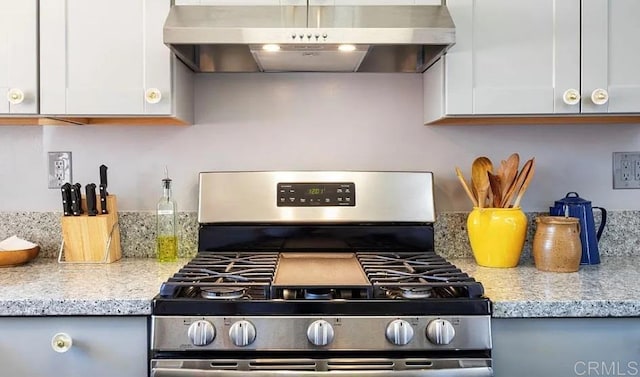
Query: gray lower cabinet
x=566, y=347
x=101, y=347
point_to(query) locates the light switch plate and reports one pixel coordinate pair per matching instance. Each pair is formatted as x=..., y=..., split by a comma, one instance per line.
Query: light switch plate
x=626, y=170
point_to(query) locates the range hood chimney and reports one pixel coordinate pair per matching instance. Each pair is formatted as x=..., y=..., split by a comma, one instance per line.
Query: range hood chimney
x=309, y=38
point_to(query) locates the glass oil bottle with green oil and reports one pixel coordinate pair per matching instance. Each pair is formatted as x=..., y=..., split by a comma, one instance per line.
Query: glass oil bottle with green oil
x=166, y=235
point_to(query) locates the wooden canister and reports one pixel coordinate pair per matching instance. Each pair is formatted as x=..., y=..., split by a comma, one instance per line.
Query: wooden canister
x=556, y=244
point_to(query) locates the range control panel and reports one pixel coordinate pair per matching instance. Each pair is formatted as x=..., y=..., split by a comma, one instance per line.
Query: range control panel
x=325, y=194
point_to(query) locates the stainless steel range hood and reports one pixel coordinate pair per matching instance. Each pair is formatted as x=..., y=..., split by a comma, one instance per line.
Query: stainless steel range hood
x=309, y=39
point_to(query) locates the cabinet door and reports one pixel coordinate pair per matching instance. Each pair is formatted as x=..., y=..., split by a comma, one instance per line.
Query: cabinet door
x=101, y=57
x=387, y=2
x=611, y=55
x=101, y=347
x=562, y=347
x=18, y=57
x=513, y=57
x=228, y=2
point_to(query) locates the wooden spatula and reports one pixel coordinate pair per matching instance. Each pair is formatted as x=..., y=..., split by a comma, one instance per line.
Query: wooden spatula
x=517, y=185
x=496, y=190
x=527, y=180
x=466, y=187
x=509, y=172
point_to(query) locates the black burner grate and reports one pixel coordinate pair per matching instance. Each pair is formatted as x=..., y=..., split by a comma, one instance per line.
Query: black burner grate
x=249, y=276
x=417, y=275
x=247, y=272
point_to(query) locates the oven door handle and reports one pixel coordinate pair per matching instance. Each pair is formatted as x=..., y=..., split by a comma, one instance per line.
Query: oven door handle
x=450, y=372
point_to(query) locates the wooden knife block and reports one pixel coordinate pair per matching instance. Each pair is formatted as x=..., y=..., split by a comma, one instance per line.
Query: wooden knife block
x=86, y=237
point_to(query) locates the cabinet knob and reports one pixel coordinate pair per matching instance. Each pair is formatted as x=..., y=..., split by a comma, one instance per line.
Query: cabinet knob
x=600, y=96
x=153, y=95
x=571, y=97
x=61, y=342
x=15, y=96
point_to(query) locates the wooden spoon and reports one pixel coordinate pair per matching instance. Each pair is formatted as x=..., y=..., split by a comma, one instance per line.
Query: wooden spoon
x=517, y=185
x=479, y=178
x=527, y=180
x=466, y=187
x=494, y=182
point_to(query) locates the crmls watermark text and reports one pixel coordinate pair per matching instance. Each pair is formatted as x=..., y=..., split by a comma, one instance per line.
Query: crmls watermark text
x=606, y=368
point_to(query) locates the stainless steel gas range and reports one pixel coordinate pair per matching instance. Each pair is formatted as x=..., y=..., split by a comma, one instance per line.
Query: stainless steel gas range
x=319, y=274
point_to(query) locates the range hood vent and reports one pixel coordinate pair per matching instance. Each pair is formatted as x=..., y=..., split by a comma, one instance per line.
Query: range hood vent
x=309, y=38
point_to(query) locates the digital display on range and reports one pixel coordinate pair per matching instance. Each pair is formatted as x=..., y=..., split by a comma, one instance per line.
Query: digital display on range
x=325, y=194
x=315, y=191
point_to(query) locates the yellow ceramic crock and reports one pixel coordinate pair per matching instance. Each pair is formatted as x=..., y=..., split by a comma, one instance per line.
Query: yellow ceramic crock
x=497, y=235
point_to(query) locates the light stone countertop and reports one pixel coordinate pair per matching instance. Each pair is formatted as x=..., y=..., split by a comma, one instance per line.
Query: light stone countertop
x=126, y=287
x=610, y=289
x=45, y=287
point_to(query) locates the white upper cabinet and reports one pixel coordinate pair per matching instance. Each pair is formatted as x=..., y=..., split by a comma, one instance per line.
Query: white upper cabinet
x=610, y=56
x=240, y=2
x=311, y=2
x=106, y=58
x=524, y=58
x=18, y=57
x=387, y=2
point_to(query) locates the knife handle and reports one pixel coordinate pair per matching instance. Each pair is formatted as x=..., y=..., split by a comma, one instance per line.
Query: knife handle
x=66, y=199
x=103, y=177
x=91, y=199
x=103, y=199
x=79, y=193
x=76, y=204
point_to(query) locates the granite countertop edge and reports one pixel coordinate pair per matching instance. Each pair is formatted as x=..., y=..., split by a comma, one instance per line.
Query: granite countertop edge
x=127, y=287
x=608, y=289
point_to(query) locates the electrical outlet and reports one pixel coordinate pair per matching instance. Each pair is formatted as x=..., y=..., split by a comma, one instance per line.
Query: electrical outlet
x=626, y=170
x=59, y=169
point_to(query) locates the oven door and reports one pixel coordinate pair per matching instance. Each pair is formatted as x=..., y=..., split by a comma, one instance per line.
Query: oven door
x=342, y=367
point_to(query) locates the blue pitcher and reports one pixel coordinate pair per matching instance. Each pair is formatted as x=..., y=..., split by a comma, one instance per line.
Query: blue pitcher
x=573, y=205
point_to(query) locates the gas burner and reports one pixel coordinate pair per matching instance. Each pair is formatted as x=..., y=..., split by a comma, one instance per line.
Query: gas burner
x=416, y=293
x=318, y=294
x=409, y=293
x=223, y=293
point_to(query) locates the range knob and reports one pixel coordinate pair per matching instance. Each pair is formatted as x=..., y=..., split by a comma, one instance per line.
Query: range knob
x=201, y=333
x=399, y=332
x=242, y=333
x=320, y=333
x=440, y=332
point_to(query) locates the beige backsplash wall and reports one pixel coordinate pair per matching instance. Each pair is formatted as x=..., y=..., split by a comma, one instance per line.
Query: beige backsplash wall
x=309, y=121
